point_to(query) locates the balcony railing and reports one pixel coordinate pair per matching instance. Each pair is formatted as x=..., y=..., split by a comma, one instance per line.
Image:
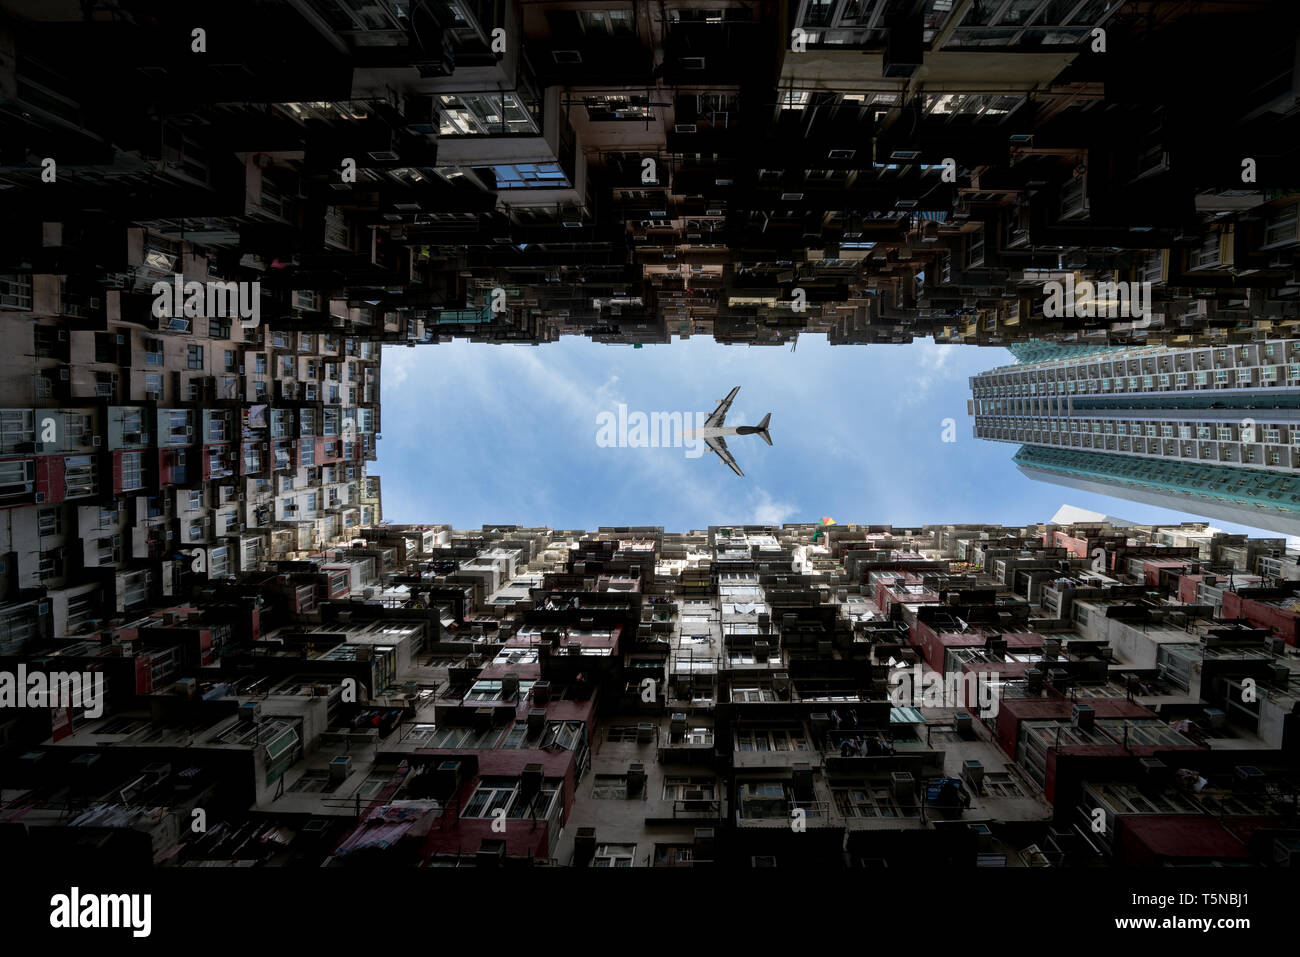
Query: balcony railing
x=815, y=812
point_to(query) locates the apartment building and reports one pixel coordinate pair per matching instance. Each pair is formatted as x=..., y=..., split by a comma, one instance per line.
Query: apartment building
x=1208, y=429
x=207, y=250
x=873, y=171
x=630, y=697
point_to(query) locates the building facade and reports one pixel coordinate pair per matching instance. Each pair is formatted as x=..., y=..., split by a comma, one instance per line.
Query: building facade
x=628, y=697
x=212, y=233
x=1212, y=430
x=874, y=171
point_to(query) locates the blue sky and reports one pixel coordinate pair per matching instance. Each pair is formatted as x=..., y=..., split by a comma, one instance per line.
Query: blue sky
x=478, y=434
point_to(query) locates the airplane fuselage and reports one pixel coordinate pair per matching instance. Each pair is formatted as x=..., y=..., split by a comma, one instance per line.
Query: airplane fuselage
x=720, y=431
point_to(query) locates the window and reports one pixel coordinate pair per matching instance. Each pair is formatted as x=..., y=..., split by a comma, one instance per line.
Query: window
x=621, y=733
x=689, y=789
x=503, y=794
x=752, y=693
x=674, y=855
x=530, y=176
x=514, y=739
x=482, y=114
x=1001, y=784
x=614, y=855
x=313, y=781
x=15, y=291
x=16, y=428
x=79, y=474
x=608, y=108
x=46, y=342
x=153, y=352
x=568, y=735
x=16, y=478
x=609, y=787
x=132, y=471
x=135, y=589
x=771, y=739
x=763, y=799
x=870, y=800
x=606, y=22
x=50, y=521
x=218, y=328
x=194, y=357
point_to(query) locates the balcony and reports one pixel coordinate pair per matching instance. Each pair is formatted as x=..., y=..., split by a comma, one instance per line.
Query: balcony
x=778, y=813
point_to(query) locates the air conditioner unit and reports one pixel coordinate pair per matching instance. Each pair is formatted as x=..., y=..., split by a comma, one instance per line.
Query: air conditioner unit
x=1074, y=198
x=962, y=722
x=1247, y=777
x=1083, y=717
x=684, y=128
x=340, y=768
x=530, y=780
x=536, y=721
x=704, y=843
x=446, y=779
x=677, y=724
x=645, y=732
x=509, y=684
x=635, y=779
x=903, y=786
x=250, y=711
x=584, y=845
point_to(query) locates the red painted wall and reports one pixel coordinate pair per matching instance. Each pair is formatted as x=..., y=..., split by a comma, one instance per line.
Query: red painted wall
x=1281, y=621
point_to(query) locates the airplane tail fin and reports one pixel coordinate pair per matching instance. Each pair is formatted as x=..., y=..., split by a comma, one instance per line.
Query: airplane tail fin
x=763, y=429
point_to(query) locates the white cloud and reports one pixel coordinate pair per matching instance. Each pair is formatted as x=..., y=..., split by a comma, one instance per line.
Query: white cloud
x=932, y=368
x=770, y=512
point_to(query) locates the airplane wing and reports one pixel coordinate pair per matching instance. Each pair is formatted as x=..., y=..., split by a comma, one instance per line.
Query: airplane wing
x=720, y=446
x=720, y=413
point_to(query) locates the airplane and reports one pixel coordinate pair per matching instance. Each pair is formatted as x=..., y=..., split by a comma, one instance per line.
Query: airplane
x=714, y=431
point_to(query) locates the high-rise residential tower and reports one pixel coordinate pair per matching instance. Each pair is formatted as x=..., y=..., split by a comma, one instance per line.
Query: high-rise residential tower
x=1214, y=430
